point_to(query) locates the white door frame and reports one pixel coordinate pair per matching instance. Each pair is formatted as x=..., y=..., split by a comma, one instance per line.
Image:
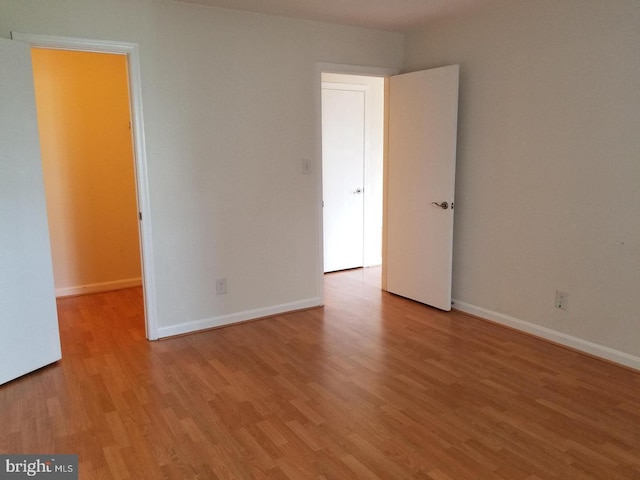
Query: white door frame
x=139, y=151
x=320, y=69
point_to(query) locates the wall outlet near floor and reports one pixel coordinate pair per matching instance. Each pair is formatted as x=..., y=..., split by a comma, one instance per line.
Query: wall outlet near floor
x=221, y=286
x=562, y=299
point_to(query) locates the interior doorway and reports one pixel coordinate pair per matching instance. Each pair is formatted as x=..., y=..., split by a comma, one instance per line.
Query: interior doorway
x=84, y=120
x=131, y=53
x=352, y=166
x=420, y=124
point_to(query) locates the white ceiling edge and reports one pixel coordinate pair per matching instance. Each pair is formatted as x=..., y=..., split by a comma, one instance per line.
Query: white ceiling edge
x=390, y=15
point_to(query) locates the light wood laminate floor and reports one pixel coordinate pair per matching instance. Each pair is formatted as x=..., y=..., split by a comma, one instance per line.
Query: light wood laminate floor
x=372, y=386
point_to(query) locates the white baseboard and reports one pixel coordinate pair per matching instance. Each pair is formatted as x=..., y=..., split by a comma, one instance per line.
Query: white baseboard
x=570, y=341
x=98, y=287
x=222, y=320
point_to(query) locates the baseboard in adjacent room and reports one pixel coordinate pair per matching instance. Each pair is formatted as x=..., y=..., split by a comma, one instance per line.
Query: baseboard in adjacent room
x=554, y=336
x=98, y=287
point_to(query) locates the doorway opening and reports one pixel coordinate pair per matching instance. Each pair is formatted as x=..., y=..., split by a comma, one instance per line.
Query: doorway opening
x=420, y=139
x=130, y=51
x=352, y=170
x=84, y=122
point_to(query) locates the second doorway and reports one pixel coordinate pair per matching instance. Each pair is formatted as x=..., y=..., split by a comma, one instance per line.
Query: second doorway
x=352, y=165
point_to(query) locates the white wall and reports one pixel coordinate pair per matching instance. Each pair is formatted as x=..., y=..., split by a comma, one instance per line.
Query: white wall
x=230, y=110
x=548, y=178
x=548, y=172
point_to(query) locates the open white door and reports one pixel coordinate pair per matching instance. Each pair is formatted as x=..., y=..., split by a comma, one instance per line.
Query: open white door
x=343, y=125
x=423, y=119
x=29, y=336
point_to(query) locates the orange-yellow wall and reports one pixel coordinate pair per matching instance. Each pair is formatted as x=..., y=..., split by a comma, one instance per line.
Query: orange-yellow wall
x=83, y=117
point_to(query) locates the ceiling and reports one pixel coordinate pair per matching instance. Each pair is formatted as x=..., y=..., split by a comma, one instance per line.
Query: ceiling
x=392, y=15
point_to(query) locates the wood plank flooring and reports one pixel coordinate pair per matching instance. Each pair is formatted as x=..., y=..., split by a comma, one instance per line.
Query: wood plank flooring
x=372, y=386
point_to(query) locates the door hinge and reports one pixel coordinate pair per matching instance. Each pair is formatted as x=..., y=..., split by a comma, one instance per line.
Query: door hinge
x=140, y=215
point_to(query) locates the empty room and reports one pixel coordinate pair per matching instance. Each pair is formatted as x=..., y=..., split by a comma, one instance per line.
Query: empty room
x=497, y=338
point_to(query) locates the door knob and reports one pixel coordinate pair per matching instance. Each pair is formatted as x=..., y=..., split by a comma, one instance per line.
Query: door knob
x=443, y=205
x=358, y=191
